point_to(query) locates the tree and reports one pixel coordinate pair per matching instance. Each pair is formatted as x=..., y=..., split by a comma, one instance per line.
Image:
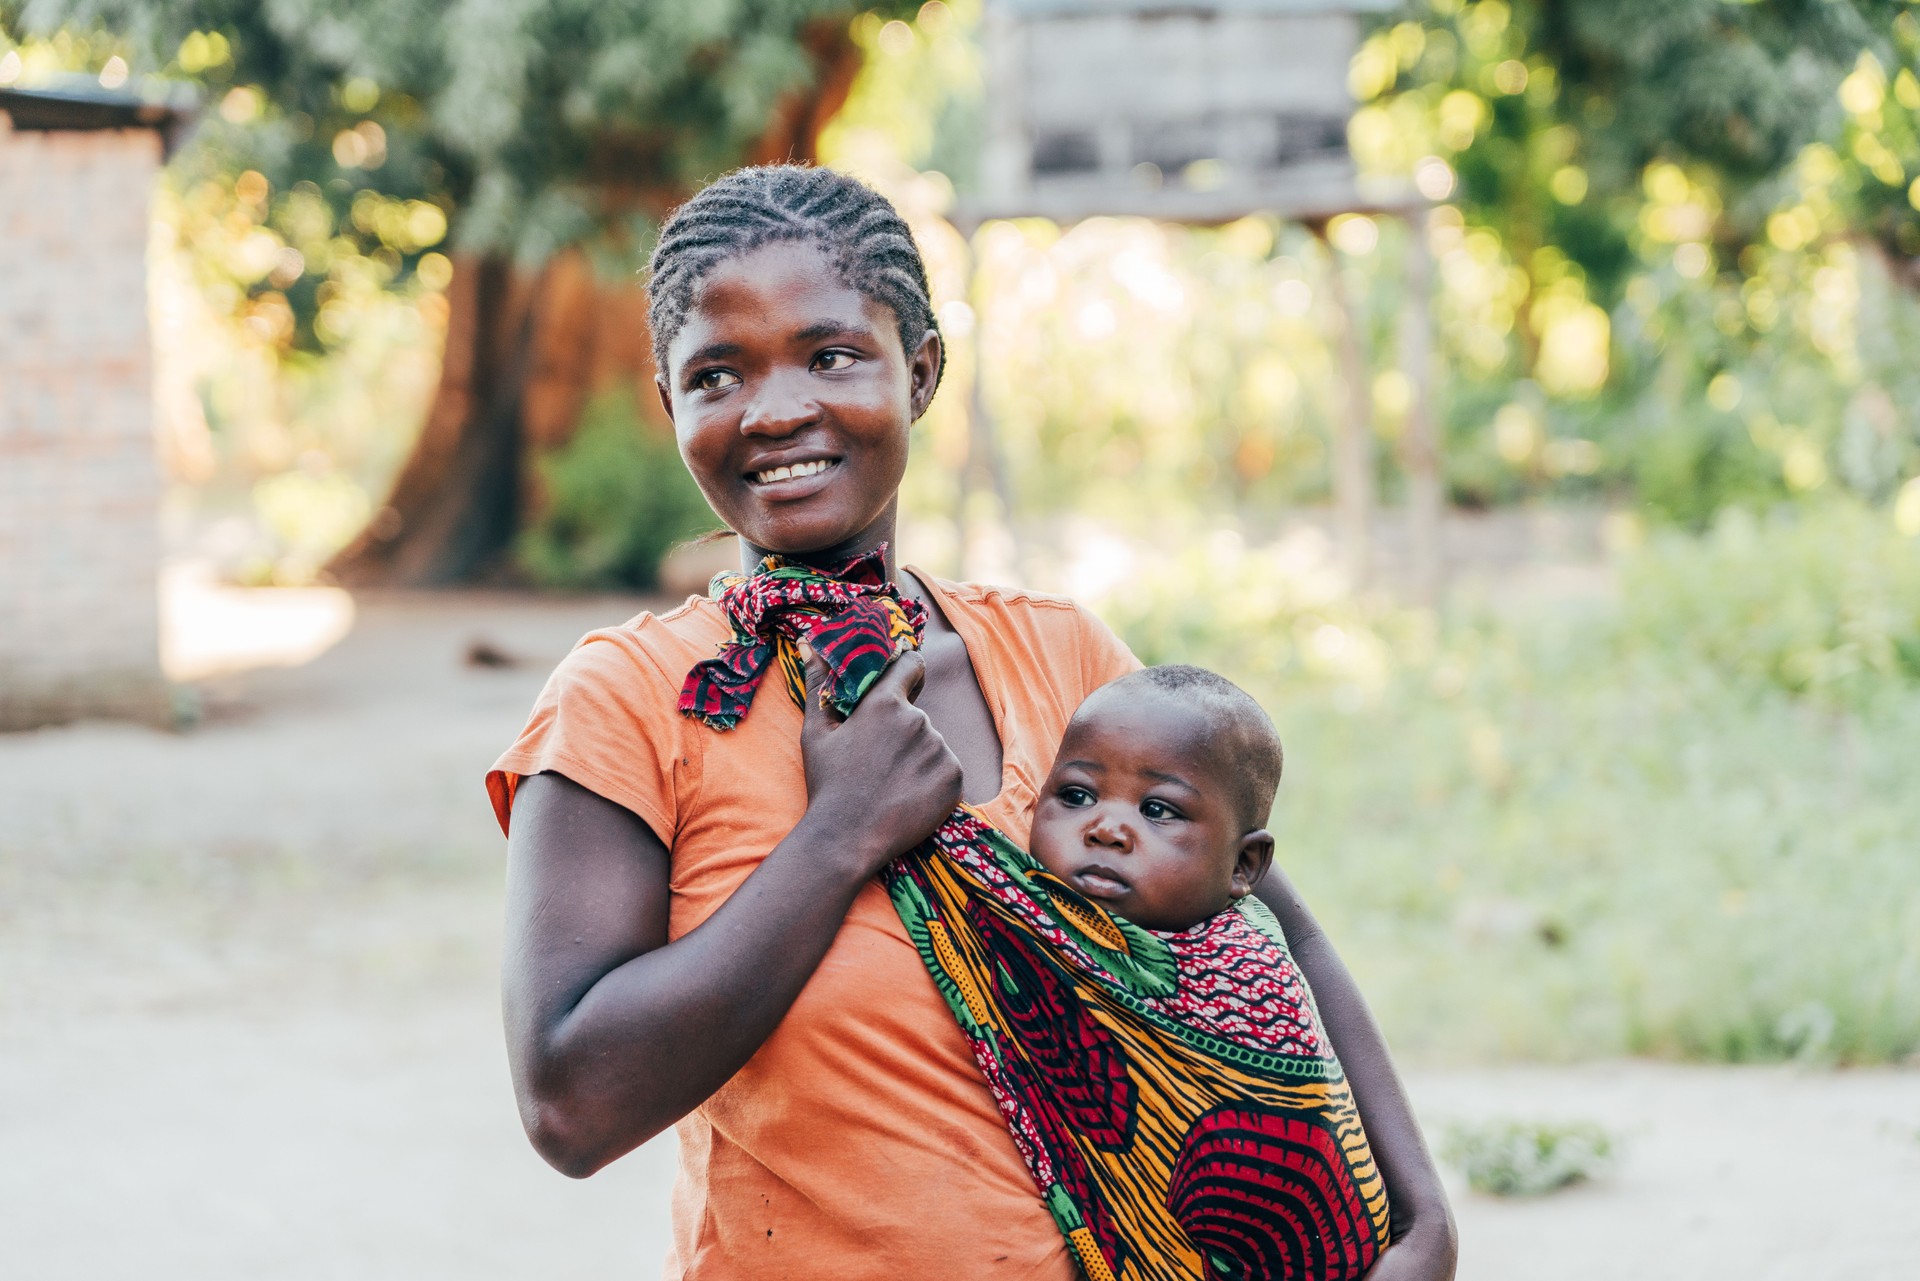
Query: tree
x=1691, y=158
x=543, y=139
x=1551, y=113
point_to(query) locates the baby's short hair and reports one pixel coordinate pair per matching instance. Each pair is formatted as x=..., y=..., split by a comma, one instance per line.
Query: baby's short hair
x=1247, y=734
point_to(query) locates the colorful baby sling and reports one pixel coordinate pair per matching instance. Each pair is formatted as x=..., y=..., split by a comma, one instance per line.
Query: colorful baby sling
x=1173, y=1094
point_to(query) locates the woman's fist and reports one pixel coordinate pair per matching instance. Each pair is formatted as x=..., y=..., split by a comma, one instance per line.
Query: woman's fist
x=883, y=775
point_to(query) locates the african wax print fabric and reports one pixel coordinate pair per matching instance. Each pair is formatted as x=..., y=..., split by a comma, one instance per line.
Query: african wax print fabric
x=1173, y=1093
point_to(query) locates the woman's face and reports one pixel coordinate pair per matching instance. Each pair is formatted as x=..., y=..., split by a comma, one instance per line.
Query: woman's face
x=791, y=398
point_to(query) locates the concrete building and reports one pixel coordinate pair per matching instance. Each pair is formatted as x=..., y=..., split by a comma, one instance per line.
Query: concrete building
x=79, y=486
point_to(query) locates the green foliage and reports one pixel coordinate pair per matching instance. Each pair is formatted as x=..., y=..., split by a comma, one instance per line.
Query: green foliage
x=529, y=125
x=1552, y=113
x=917, y=99
x=1823, y=602
x=1527, y=1158
x=1699, y=174
x=617, y=499
x=1596, y=827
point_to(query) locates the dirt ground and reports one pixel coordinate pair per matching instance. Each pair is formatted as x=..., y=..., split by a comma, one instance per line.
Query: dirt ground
x=249, y=1021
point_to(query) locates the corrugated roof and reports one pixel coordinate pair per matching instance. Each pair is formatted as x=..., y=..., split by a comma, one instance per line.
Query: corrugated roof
x=80, y=103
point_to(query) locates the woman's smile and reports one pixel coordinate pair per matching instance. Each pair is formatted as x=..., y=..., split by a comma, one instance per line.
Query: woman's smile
x=789, y=482
x=792, y=397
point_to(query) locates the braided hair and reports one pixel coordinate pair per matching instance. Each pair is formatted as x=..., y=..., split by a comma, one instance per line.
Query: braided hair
x=858, y=229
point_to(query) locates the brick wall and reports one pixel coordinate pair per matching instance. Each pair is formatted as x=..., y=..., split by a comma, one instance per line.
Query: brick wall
x=79, y=489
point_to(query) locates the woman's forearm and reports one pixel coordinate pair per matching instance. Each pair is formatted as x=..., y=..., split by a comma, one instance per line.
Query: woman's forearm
x=1425, y=1246
x=607, y=1052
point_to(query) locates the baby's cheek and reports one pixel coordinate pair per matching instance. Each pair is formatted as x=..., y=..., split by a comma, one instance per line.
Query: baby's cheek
x=1047, y=843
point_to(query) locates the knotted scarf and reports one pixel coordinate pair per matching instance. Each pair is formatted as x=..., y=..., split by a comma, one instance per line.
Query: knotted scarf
x=851, y=615
x=1173, y=1094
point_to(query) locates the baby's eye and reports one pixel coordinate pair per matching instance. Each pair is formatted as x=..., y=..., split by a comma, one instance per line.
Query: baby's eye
x=714, y=379
x=1076, y=797
x=1158, y=809
x=833, y=361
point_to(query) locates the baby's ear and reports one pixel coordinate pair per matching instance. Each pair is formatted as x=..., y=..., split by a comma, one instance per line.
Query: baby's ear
x=1251, y=861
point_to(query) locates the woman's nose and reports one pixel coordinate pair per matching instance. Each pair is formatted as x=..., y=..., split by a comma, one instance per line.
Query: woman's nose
x=780, y=406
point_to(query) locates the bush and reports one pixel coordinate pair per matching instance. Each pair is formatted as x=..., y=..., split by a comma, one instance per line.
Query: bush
x=1823, y=602
x=1521, y=1158
x=617, y=499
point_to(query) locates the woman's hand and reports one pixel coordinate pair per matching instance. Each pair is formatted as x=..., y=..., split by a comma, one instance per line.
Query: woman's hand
x=883, y=777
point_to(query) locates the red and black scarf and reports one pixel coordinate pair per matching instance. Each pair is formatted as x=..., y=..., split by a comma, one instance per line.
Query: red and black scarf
x=850, y=614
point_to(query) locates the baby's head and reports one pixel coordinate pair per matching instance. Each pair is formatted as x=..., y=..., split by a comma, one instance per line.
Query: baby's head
x=1156, y=806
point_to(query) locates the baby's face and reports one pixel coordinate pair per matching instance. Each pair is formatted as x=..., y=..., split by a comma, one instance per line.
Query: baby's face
x=1139, y=813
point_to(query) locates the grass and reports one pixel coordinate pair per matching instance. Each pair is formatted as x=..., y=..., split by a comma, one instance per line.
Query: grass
x=1584, y=831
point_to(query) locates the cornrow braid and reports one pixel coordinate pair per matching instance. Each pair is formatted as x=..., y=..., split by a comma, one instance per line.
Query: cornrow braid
x=860, y=231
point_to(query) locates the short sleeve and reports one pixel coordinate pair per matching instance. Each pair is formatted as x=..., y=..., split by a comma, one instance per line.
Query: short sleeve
x=608, y=719
x=1103, y=656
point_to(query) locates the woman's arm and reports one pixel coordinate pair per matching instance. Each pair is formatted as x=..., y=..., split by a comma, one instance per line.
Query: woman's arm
x=1424, y=1246
x=614, y=1033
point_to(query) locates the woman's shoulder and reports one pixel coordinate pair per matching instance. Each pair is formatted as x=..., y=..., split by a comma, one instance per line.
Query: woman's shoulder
x=1021, y=606
x=1039, y=630
x=609, y=715
x=649, y=646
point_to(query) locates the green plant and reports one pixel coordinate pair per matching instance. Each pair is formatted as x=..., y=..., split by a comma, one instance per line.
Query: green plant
x=1821, y=602
x=616, y=499
x=1527, y=1158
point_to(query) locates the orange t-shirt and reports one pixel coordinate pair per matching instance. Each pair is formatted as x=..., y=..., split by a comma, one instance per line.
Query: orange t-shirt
x=860, y=1141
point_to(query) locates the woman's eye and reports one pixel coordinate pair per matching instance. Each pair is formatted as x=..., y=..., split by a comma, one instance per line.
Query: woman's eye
x=1076, y=796
x=833, y=361
x=1158, y=810
x=714, y=379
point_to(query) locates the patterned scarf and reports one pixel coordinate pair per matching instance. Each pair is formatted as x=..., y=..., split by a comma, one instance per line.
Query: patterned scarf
x=852, y=616
x=1173, y=1094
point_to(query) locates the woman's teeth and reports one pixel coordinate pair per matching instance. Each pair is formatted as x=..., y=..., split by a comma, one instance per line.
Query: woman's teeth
x=794, y=472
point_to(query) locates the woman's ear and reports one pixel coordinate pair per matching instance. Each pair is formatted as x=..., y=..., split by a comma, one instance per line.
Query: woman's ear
x=1251, y=861
x=666, y=396
x=923, y=370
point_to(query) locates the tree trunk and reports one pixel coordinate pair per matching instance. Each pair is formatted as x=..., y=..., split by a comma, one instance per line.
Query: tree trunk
x=524, y=353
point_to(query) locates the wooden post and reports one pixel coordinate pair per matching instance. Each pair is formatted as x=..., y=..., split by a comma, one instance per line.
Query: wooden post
x=1420, y=450
x=983, y=469
x=1353, y=486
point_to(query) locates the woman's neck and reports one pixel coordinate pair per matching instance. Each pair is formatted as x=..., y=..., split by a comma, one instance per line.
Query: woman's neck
x=879, y=534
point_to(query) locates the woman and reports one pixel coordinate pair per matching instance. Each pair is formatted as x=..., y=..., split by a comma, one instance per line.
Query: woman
x=695, y=935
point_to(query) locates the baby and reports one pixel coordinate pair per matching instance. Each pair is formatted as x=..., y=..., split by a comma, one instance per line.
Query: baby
x=1183, y=1070
x=1156, y=806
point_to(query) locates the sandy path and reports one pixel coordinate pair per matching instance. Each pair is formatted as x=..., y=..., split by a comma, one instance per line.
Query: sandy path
x=249, y=1026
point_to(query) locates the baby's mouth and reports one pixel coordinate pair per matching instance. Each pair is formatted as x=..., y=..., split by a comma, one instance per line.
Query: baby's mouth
x=1101, y=882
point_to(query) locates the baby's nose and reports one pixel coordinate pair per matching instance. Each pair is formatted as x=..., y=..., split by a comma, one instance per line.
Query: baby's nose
x=1105, y=832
